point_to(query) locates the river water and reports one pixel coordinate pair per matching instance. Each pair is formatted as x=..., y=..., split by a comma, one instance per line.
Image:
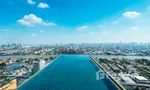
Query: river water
x=25, y=56
x=98, y=56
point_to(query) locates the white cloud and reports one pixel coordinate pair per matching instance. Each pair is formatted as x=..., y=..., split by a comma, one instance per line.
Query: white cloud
x=48, y=24
x=41, y=31
x=115, y=22
x=100, y=26
x=6, y=30
x=104, y=32
x=43, y=5
x=31, y=2
x=82, y=27
x=131, y=14
x=31, y=20
x=24, y=22
x=134, y=28
x=34, y=34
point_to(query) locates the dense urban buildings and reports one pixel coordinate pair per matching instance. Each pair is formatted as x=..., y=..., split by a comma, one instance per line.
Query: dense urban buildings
x=124, y=49
x=14, y=71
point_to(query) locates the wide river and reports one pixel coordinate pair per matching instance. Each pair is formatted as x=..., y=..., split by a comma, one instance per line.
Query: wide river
x=98, y=56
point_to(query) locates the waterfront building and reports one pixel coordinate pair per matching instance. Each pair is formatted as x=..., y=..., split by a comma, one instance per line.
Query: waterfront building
x=36, y=67
x=42, y=64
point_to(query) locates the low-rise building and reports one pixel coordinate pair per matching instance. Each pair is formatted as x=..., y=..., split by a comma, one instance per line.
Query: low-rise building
x=127, y=79
x=10, y=86
x=139, y=79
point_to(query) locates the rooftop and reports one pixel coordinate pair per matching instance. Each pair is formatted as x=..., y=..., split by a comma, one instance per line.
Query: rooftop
x=127, y=79
x=10, y=86
x=140, y=78
x=69, y=72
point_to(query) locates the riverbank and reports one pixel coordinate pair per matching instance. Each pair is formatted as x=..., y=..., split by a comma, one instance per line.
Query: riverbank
x=95, y=56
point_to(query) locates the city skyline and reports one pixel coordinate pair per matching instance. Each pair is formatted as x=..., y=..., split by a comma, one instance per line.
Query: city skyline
x=74, y=21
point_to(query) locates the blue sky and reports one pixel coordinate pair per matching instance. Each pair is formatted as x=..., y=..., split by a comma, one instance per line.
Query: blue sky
x=74, y=21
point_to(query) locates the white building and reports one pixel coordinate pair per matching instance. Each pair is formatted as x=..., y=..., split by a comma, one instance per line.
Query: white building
x=139, y=79
x=42, y=64
x=127, y=79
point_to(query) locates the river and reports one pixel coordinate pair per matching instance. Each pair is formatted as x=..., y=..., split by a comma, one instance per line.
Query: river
x=25, y=56
x=120, y=57
x=98, y=56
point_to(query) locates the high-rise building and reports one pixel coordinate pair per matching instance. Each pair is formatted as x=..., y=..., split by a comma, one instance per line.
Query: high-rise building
x=36, y=67
x=42, y=64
